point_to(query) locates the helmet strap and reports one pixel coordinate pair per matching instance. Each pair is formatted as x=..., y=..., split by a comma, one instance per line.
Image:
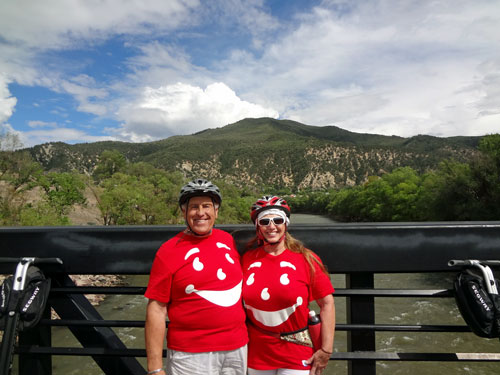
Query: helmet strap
x=193, y=233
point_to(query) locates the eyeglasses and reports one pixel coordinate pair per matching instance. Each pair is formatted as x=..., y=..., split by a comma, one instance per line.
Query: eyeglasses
x=276, y=220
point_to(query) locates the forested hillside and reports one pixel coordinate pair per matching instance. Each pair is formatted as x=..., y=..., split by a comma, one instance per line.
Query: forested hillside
x=118, y=190
x=268, y=152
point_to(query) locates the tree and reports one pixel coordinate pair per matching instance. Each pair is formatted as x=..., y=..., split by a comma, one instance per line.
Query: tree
x=236, y=203
x=110, y=162
x=344, y=205
x=456, y=193
x=405, y=191
x=9, y=141
x=490, y=146
x=129, y=199
x=486, y=172
x=18, y=174
x=63, y=190
x=392, y=197
x=40, y=214
x=118, y=200
x=19, y=170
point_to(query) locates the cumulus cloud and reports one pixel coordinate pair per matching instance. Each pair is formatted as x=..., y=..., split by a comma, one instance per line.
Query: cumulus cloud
x=404, y=68
x=7, y=102
x=41, y=29
x=184, y=109
x=246, y=16
x=31, y=29
x=55, y=24
x=416, y=67
x=81, y=88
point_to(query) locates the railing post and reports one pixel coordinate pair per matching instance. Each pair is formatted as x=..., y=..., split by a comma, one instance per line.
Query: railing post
x=77, y=306
x=360, y=310
x=41, y=364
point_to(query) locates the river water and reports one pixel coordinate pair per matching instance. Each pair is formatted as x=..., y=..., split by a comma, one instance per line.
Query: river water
x=388, y=311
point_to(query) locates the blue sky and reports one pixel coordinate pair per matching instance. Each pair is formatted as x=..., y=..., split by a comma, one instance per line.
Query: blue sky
x=136, y=71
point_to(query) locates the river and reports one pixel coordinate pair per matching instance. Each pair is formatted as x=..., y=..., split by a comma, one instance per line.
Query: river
x=388, y=311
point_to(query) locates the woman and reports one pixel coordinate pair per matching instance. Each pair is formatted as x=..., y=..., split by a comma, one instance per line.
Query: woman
x=280, y=278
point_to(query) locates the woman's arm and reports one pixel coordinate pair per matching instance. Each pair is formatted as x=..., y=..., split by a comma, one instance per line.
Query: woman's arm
x=327, y=314
x=320, y=358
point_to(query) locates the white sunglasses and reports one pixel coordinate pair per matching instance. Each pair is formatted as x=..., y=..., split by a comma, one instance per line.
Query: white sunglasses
x=267, y=221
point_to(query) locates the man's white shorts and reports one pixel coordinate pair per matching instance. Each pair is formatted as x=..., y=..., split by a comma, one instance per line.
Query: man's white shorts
x=281, y=371
x=231, y=362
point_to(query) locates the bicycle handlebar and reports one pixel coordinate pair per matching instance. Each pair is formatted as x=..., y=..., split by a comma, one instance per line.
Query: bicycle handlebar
x=33, y=260
x=472, y=262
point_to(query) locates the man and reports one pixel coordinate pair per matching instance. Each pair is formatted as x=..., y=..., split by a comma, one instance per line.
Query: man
x=196, y=277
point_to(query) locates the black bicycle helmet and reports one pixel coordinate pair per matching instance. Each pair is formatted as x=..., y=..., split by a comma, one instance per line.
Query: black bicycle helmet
x=199, y=187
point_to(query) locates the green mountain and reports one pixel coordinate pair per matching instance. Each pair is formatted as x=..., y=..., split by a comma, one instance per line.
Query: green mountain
x=271, y=152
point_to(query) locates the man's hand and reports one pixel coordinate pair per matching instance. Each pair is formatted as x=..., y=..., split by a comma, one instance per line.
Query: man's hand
x=156, y=314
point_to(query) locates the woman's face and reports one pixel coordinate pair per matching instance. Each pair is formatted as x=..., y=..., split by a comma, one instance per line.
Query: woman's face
x=273, y=231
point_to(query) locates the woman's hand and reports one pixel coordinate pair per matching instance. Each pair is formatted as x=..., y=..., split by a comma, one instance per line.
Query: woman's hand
x=318, y=361
x=320, y=358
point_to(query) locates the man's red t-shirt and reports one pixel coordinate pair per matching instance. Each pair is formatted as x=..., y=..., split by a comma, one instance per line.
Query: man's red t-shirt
x=200, y=280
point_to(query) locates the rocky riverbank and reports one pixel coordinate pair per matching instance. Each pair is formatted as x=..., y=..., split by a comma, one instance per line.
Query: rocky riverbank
x=98, y=280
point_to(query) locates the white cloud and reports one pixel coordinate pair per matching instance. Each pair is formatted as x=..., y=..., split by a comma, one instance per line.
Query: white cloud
x=30, y=28
x=246, y=16
x=185, y=109
x=160, y=64
x=7, y=102
x=42, y=124
x=55, y=24
x=430, y=67
x=417, y=67
x=81, y=89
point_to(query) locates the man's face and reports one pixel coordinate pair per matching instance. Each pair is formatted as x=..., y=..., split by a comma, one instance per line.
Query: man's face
x=200, y=214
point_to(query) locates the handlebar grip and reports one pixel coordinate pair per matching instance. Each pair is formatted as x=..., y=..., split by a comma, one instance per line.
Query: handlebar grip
x=9, y=260
x=472, y=262
x=48, y=261
x=456, y=262
x=34, y=260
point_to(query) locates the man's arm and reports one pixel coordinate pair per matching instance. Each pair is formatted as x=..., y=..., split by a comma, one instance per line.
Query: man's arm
x=156, y=314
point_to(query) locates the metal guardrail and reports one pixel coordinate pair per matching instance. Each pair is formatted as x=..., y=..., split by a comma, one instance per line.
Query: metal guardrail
x=357, y=250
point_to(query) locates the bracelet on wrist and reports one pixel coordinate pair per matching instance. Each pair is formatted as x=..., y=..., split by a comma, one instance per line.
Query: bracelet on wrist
x=155, y=371
x=324, y=351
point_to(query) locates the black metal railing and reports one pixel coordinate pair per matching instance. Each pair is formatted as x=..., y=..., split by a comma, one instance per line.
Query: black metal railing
x=360, y=251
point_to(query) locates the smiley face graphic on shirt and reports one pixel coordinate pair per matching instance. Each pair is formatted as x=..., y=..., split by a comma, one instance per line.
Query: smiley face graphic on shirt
x=203, y=266
x=273, y=298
